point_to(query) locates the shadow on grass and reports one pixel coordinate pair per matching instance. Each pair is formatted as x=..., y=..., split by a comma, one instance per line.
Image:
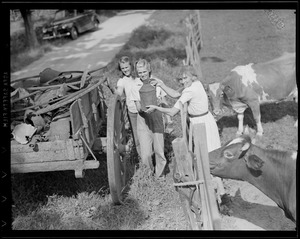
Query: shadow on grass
x=31, y=189
x=257, y=214
x=105, y=217
x=269, y=113
x=211, y=59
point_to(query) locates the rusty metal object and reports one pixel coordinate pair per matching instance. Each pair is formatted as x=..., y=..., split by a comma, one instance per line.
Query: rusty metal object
x=70, y=98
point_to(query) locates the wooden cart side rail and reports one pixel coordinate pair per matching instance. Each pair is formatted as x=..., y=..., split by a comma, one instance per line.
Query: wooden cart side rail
x=193, y=143
x=87, y=116
x=57, y=150
x=184, y=121
x=77, y=165
x=210, y=202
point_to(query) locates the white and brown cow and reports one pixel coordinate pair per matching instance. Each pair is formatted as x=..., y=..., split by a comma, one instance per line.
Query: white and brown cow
x=271, y=171
x=254, y=84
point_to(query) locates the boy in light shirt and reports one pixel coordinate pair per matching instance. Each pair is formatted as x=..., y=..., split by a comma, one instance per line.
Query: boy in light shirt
x=150, y=127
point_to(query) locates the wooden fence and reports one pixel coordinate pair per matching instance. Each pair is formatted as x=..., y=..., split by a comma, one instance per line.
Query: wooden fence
x=192, y=176
x=194, y=43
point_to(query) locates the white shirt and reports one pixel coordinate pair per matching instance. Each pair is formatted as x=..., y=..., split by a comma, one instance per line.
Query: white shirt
x=197, y=98
x=127, y=83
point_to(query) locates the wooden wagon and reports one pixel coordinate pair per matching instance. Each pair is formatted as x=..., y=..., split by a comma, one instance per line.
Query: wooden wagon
x=85, y=114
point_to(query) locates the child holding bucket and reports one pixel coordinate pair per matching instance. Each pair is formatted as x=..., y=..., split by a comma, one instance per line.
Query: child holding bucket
x=150, y=127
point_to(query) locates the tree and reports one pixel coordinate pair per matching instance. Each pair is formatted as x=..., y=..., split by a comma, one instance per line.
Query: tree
x=29, y=29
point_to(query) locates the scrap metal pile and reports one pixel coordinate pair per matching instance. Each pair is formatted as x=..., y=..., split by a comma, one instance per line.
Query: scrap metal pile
x=40, y=104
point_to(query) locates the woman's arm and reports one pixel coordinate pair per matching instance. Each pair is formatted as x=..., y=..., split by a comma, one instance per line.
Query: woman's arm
x=172, y=93
x=169, y=111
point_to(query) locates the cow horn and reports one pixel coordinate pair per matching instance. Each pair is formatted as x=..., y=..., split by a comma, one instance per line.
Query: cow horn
x=245, y=147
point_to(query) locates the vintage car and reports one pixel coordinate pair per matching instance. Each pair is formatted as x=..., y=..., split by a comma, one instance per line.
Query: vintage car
x=70, y=23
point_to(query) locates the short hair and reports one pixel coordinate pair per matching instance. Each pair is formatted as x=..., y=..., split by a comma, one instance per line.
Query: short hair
x=123, y=60
x=190, y=71
x=143, y=63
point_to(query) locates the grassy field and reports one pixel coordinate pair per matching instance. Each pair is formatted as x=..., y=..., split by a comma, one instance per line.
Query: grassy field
x=58, y=201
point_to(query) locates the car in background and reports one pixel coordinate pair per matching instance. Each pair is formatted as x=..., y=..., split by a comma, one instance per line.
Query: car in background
x=70, y=23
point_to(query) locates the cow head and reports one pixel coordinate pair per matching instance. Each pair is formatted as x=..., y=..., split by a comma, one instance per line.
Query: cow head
x=215, y=93
x=232, y=159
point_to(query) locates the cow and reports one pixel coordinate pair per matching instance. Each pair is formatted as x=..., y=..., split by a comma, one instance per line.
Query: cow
x=271, y=171
x=254, y=84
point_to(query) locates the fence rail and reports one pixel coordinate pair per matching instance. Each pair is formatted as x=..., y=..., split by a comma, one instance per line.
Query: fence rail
x=192, y=176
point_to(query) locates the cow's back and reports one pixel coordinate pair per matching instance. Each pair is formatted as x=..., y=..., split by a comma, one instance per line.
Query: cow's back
x=277, y=78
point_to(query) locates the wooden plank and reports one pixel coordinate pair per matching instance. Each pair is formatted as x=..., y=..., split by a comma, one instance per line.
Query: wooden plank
x=203, y=165
x=85, y=129
x=183, y=160
x=191, y=138
x=56, y=145
x=94, y=96
x=47, y=151
x=207, y=225
x=54, y=166
x=183, y=113
x=76, y=120
x=86, y=105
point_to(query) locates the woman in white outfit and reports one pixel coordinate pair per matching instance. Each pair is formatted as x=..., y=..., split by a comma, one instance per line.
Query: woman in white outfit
x=196, y=98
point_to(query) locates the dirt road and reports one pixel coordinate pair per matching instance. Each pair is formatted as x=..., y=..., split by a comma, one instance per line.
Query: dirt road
x=94, y=49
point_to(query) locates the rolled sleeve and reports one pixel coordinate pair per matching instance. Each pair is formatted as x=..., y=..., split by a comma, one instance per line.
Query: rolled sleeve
x=120, y=83
x=186, y=96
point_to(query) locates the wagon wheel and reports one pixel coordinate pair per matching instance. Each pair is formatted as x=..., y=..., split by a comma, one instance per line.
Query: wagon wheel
x=117, y=138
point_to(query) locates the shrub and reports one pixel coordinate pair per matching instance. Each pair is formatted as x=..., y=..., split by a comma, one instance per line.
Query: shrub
x=145, y=36
x=18, y=42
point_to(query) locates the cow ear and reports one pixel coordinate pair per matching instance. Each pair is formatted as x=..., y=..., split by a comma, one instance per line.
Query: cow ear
x=254, y=162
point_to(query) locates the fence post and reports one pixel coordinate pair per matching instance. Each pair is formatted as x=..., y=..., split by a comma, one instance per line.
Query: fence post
x=194, y=43
x=200, y=141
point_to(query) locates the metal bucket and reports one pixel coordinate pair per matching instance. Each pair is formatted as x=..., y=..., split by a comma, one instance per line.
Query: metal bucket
x=148, y=96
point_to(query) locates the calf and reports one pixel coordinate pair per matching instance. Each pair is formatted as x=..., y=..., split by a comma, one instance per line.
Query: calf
x=255, y=84
x=271, y=171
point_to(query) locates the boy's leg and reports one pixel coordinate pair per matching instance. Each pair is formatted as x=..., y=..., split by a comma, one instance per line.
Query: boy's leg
x=146, y=141
x=160, y=159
